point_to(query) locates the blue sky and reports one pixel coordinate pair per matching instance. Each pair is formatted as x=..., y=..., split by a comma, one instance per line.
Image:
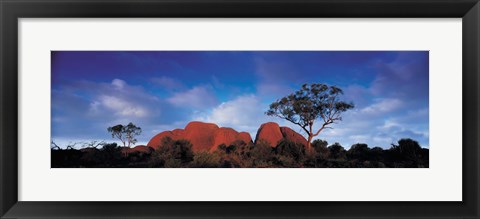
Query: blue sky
x=164, y=90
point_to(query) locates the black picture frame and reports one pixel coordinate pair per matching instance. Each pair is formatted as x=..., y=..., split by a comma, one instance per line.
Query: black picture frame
x=12, y=10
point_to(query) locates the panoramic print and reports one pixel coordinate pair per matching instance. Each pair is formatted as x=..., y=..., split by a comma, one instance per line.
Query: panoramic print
x=239, y=109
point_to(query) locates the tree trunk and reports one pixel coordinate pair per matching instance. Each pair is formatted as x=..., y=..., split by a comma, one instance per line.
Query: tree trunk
x=310, y=136
x=309, y=143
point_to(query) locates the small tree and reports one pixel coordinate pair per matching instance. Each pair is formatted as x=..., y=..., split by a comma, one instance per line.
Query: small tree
x=126, y=134
x=310, y=103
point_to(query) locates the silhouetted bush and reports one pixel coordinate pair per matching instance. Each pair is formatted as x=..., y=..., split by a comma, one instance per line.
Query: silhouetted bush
x=408, y=153
x=111, y=155
x=337, y=152
x=91, y=157
x=358, y=151
x=65, y=158
x=376, y=154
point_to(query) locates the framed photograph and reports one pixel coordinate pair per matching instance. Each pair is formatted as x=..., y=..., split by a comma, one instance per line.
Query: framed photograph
x=169, y=109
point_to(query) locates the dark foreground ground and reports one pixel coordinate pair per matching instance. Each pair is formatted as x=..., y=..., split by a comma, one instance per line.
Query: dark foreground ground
x=178, y=154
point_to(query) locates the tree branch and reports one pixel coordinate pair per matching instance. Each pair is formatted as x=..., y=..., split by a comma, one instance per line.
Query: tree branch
x=323, y=127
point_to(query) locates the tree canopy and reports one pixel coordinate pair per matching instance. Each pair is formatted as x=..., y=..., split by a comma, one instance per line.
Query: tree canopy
x=125, y=133
x=311, y=103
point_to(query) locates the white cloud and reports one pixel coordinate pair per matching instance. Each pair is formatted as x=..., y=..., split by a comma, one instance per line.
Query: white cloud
x=390, y=124
x=120, y=100
x=119, y=84
x=199, y=97
x=374, y=126
x=94, y=106
x=383, y=106
x=242, y=111
x=245, y=113
x=121, y=106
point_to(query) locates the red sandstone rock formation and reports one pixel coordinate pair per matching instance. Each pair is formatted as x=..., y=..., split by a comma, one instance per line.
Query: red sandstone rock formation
x=208, y=136
x=272, y=133
x=157, y=139
x=203, y=136
x=228, y=136
x=245, y=137
x=293, y=136
x=269, y=132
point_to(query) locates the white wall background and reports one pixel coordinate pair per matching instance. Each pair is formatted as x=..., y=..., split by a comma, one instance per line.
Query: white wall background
x=441, y=182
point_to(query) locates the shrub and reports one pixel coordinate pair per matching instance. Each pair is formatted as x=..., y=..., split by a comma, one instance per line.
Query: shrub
x=172, y=163
x=65, y=158
x=321, y=149
x=172, y=153
x=111, y=155
x=257, y=155
x=407, y=153
x=206, y=160
x=377, y=154
x=91, y=157
x=289, y=154
x=284, y=161
x=290, y=149
x=358, y=151
x=337, y=152
x=227, y=149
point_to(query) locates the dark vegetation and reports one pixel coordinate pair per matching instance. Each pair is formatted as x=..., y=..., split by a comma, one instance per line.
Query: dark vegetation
x=178, y=154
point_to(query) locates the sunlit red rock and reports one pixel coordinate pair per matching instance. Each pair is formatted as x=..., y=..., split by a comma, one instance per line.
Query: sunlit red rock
x=225, y=136
x=229, y=136
x=272, y=133
x=157, y=139
x=269, y=132
x=293, y=136
x=245, y=137
x=208, y=136
x=203, y=136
